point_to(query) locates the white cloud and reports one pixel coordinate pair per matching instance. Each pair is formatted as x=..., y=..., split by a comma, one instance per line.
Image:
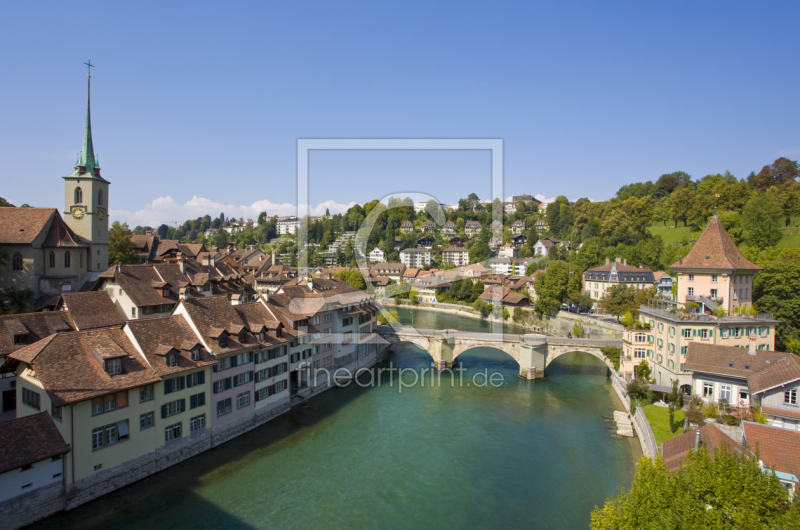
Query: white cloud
x=542, y=198
x=166, y=210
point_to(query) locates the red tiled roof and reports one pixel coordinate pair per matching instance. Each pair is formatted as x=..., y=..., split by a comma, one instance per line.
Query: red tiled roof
x=37, y=326
x=676, y=449
x=92, y=309
x=28, y=440
x=778, y=448
x=67, y=364
x=60, y=235
x=779, y=412
x=20, y=226
x=715, y=250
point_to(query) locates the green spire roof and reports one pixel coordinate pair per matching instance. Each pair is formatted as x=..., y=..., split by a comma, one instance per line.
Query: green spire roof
x=86, y=159
x=87, y=153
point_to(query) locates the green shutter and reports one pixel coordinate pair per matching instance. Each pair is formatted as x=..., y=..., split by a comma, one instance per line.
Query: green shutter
x=694, y=332
x=183, y=405
x=201, y=377
x=163, y=411
x=192, y=401
x=201, y=399
x=167, y=386
x=711, y=333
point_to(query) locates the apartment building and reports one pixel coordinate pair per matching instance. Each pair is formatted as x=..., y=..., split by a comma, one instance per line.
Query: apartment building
x=456, y=255
x=666, y=330
x=376, y=255
x=472, y=228
x=597, y=280
x=180, y=404
x=415, y=257
x=233, y=347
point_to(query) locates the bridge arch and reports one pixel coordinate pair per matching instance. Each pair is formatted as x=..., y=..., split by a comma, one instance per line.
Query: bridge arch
x=554, y=351
x=510, y=349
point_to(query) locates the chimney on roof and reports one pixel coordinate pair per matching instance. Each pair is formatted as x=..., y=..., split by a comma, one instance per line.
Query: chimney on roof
x=696, y=439
x=182, y=263
x=625, y=262
x=607, y=261
x=751, y=348
x=273, y=258
x=182, y=293
x=148, y=232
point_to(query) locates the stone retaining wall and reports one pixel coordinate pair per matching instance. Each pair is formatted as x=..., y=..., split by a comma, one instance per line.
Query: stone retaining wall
x=30, y=507
x=559, y=324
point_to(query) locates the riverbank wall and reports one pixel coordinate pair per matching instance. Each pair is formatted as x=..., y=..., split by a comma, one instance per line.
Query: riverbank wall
x=559, y=324
x=38, y=504
x=640, y=424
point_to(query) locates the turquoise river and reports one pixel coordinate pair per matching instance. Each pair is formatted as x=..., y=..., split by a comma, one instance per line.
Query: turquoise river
x=521, y=455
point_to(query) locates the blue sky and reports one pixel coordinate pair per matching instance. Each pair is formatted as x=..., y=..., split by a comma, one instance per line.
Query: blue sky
x=197, y=107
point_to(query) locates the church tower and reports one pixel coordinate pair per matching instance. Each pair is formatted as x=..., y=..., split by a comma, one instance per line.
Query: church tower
x=86, y=197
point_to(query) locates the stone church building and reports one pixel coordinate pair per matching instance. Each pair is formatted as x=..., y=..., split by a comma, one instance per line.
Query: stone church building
x=49, y=253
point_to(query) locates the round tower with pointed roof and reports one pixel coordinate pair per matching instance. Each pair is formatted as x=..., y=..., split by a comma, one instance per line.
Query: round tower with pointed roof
x=86, y=198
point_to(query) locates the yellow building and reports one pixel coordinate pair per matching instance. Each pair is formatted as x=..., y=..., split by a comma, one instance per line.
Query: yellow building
x=665, y=329
x=714, y=293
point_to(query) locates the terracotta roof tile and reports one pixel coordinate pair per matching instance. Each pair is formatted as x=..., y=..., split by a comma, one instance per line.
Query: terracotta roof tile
x=70, y=371
x=158, y=336
x=715, y=250
x=676, y=449
x=93, y=309
x=29, y=440
x=38, y=326
x=20, y=226
x=778, y=448
x=60, y=235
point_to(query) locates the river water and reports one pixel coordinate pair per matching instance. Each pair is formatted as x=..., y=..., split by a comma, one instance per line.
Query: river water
x=520, y=455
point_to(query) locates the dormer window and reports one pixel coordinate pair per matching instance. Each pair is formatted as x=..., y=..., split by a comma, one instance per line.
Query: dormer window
x=113, y=366
x=262, y=336
x=241, y=337
x=172, y=359
x=165, y=293
x=196, y=354
x=20, y=340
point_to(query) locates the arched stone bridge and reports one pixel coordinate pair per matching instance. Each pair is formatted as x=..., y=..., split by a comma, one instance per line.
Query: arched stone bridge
x=534, y=353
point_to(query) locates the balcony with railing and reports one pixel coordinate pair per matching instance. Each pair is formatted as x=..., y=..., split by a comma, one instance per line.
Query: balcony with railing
x=682, y=312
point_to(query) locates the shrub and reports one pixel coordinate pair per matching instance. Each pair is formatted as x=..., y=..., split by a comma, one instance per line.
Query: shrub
x=612, y=354
x=578, y=331
x=727, y=419
x=640, y=389
x=711, y=410
x=643, y=370
x=760, y=417
x=695, y=416
x=519, y=314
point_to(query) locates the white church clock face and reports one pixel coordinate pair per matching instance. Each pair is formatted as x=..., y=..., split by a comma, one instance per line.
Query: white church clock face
x=100, y=215
x=78, y=213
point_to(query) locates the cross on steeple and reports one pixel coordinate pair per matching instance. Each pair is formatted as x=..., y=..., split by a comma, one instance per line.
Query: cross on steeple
x=89, y=67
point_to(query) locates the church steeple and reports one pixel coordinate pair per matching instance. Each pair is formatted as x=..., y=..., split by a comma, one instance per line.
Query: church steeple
x=87, y=161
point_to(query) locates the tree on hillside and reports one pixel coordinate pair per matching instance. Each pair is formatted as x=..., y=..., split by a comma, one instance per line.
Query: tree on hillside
x=728, y=491
x=552, y=287
x=354, y=278
x=779, y=172
x=120, y=245
x=776, y=290
x=761, y=220
x=681, y=202
x=479, y=251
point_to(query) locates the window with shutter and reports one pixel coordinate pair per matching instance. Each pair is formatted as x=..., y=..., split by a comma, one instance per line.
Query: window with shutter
x=163, y=411
x=168, y=386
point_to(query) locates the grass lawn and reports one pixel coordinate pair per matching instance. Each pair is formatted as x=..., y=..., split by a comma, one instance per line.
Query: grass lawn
x=674, y=235
x=659, y=422
x=790, y=239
